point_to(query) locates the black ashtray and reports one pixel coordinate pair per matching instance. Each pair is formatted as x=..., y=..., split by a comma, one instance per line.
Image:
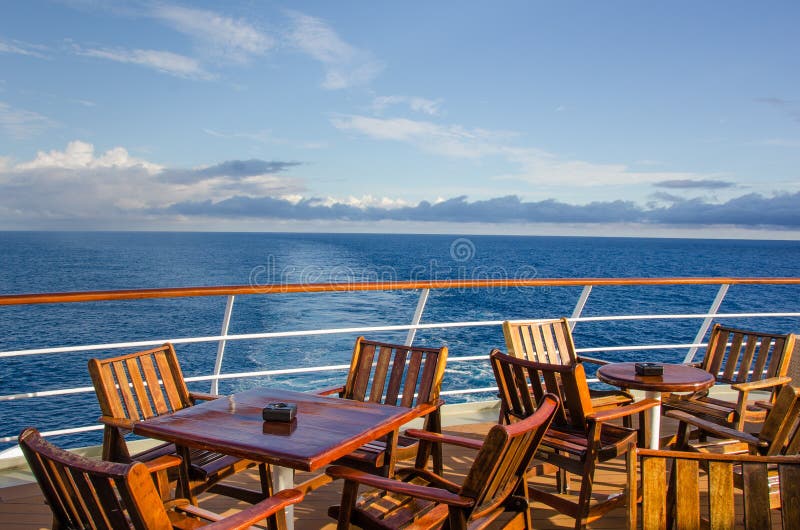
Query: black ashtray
x=279, y=412
x=649, y=369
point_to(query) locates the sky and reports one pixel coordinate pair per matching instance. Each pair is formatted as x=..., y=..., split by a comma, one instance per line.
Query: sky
x=665, y=119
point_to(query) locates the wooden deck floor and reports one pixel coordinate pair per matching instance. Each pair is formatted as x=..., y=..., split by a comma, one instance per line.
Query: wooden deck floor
x=22, y=507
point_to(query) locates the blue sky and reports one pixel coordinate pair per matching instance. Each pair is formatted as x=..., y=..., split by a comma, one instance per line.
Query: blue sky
x=595, y=118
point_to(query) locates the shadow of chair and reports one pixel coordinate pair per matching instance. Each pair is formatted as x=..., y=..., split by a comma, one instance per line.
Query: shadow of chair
x=147, y=384
x=691, y=497
x=421, y=499
x=579, y=437
x=748, y=361
x=550, y=342
x=85, y=493
x=399, y=375
x=779, y=436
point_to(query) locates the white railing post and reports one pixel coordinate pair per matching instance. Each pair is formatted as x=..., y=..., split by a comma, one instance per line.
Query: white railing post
x=576, y=313
x=423, y=299
x=226, y=321
x=723, y=290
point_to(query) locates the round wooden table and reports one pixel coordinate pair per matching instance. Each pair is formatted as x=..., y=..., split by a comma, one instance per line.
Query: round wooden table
x=676, y=378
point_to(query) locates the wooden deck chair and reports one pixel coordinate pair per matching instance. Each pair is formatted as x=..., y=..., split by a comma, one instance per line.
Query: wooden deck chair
x=86, y=493
x=779, y=435
x=550, y=342
x=746, y=360
x=693, y=497
x=394, y=374
x=150, y=383
x=421, y=499
x=579, y=437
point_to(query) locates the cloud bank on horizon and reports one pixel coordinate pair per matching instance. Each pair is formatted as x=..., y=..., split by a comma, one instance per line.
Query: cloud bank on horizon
x=167, y=114
x=75, y=185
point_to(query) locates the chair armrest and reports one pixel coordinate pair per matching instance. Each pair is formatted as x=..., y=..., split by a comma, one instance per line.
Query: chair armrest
x=162, y=462
x=329, y=391
x=591, y=360
x=257, y=512
x=403, y=488
x=714, y=429
x=763, y=383
x=445, y=438
x=120, y=423
x=620, y=412
x=202, y=396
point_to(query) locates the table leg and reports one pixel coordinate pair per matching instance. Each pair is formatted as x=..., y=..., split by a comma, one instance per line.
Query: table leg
x=654, y=419
x=283, y=478
x=183, y=489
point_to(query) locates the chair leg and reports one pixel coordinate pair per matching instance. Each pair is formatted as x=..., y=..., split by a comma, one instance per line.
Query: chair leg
x=632, y=488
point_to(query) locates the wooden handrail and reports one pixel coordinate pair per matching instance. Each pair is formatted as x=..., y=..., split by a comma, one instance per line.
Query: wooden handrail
x=180, y=292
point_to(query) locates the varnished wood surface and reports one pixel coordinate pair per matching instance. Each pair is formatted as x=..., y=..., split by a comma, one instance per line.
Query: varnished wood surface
x=676, y=378
x=227, y=290
x=325, y=428
x=22, y=507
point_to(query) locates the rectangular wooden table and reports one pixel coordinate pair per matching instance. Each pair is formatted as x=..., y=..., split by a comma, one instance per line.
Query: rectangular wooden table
x=325, y=429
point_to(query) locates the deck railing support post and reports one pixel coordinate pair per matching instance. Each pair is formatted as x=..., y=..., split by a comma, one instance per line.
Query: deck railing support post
x=576, y=313
x=423, y=299
x=723, y=290
x=226, y=321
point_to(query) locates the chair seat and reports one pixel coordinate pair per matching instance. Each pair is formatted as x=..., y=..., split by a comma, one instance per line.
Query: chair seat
x=604, y=399
x=614, y=441
x=714, y=409
x=204, y=464
x=372, y=455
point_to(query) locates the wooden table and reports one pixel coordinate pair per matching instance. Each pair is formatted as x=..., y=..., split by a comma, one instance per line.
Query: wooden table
x=676, y=378
x=325, y=429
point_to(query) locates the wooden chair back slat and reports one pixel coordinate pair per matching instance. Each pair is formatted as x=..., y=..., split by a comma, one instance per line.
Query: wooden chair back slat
x=100, y=495
x=363, y=368
x=83, y=493
x=140, y=385
x=790, y=494
x=123, y=384
x=396, y=379
x=170, y=386
x=751, y=356
x=381, y=370
x=411, y=379
x=720, y=483
x=154, y=392
x=722, y=509
x=715, y=352
x=548, y=342
x=756, y=485
x=687, y=505
x=501, y=464
x=732, y=360
x=394, y=374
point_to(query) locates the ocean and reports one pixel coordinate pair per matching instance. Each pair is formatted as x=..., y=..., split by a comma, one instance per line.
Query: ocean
x=32, y=262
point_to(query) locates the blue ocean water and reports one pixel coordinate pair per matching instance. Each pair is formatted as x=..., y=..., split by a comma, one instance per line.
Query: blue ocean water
x=74, y=261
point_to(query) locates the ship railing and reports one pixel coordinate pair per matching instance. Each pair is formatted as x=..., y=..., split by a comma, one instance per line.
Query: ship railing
x=424, y=287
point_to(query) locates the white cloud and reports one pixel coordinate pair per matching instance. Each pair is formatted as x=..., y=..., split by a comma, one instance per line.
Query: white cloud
x=80, y=155
x=224, y=37
x=78, y=183
x=417, y=104
x=345, y=65
x=163, y=61
x=22, y=48
x=21, y=124
x=450, y=140
x=535, y=165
